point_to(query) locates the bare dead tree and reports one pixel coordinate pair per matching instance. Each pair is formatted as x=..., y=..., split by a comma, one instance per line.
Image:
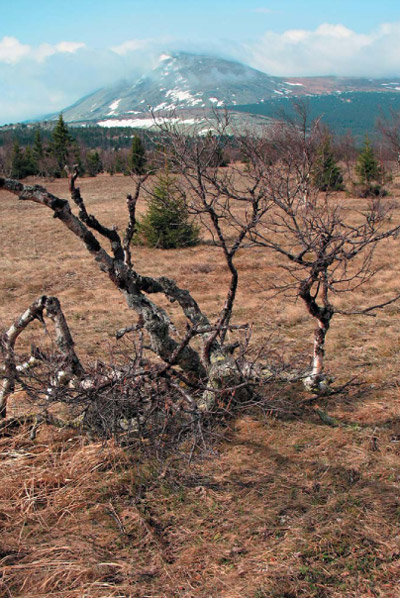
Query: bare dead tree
x=269, y=201
x=120, y=398
x=127, y=397
x=273, y=202
x=212, y=366
x=389, y=128
x=328, y=248
x=346, y=152
x=229, y=202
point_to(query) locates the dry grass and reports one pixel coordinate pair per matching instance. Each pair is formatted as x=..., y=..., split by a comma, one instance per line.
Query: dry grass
x=282, y=508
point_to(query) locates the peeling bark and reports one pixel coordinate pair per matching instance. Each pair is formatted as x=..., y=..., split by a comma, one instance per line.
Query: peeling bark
x=49, y=306
x=317, y=381
x=63, y=336
x=34, y=311
x=319, y=350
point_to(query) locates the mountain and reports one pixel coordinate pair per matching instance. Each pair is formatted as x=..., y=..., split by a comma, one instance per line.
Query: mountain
x=192, y=85
x=180, y=81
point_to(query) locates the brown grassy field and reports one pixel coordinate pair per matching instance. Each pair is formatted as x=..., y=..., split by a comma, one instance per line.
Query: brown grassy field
x=279, y=507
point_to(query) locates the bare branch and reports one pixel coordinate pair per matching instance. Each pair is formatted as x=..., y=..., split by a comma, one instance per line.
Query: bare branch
x=130, y=229
x=91, y=221
x=367, y=310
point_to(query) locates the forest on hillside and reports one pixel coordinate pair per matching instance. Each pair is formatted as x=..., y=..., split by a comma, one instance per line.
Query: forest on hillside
x=42, y=149
x=348, y=112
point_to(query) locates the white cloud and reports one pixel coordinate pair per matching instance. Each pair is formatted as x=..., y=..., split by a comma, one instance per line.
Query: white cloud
x=13, y=51
x=131, y=45
x=49, y=78
x=69, y=47
x=330, y=49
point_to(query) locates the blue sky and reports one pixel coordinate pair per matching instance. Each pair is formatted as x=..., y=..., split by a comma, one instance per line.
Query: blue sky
x=52, y=53
x=104, y=22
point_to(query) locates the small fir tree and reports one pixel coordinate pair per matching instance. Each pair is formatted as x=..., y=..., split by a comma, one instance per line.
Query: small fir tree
x=17, y=159
x=61, y=145
x=93, y=163
x=137, y=158
x=167, y=224
x=370, y=172
x=31, y=166
x=22, y=162
x=327, y=174
x=120, y=162
x=38, y=151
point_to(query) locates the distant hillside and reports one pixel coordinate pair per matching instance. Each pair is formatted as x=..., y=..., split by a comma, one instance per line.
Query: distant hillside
x=353, y=111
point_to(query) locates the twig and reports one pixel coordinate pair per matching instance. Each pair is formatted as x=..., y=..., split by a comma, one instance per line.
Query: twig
x=368, y=309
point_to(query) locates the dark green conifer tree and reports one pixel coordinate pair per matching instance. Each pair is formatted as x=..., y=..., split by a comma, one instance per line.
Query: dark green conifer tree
x=137, y=157
x=22, y=162
x=17, y=160
x=61, y=145
x=120, y=162
x=167, y=224
x=31, y=166
x=76, y=158
x=327, y=174
x=370, y=172
x=38, y=150
x=93, y=163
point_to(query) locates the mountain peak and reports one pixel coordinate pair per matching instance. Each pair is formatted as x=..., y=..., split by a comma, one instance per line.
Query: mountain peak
x=179, y=81
x=193, y=84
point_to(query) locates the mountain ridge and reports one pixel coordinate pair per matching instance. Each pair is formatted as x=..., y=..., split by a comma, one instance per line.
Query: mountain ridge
x=192, y=85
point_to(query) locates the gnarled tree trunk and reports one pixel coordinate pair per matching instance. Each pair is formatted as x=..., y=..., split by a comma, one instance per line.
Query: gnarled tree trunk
x=210, y=367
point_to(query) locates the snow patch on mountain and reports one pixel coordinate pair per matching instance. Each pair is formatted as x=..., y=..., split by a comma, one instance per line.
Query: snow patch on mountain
x=179, y=95
x=114, y=107
x=216, y=101
x=145, y=123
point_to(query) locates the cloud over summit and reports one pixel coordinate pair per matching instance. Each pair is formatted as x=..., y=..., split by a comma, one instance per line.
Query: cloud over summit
x=330, y=49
